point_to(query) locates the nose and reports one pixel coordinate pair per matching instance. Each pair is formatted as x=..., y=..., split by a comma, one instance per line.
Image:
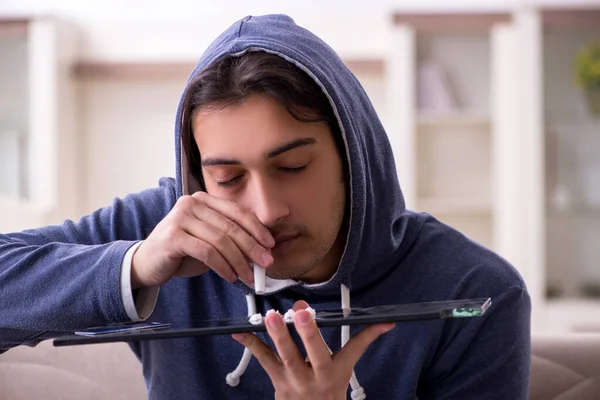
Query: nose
x=267, y=202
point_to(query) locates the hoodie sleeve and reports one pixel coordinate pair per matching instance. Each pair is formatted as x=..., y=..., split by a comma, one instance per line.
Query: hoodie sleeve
x=66, y=277
x=489, y=358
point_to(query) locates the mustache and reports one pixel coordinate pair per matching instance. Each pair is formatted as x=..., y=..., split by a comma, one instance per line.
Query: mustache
x=283, y=229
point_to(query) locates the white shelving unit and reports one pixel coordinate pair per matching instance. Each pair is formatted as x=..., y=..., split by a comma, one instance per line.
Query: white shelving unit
x=13, y=110
x=457, y=119
x=515, y=164
x=445, y=75
x=571, y=193
x=12, y=163
x=38, y=122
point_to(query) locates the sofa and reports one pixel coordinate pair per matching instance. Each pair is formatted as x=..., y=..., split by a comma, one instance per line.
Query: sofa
x=86, y=372
x=564, y=367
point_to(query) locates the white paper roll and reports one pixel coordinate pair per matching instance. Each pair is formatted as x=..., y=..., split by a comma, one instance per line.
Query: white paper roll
x=259, y=279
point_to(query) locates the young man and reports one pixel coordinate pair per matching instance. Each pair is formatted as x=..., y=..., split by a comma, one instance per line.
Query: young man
x=283, y=162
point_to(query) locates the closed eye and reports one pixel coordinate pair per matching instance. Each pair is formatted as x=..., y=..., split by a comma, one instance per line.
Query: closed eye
x=293, y=169
x=229, y=182
x=233, y=181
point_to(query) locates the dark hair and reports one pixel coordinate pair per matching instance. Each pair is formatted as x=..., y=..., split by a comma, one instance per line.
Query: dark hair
x=230, y=80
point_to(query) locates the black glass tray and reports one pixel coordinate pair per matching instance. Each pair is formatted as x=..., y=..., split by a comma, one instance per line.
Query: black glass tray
x=465, y=308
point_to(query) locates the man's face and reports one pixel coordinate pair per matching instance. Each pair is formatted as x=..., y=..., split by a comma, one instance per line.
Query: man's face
x=288, y=173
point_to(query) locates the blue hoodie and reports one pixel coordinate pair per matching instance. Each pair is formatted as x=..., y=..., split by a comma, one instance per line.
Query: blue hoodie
x=61, y=278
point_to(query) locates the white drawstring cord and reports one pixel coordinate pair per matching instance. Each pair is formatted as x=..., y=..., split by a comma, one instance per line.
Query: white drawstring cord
x=233, y=378
x=358, y=393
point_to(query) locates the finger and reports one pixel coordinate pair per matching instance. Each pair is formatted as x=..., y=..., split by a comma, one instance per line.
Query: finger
x=237, y=213
x=208, y=233
x=264, y=355
x=357, y=345
x=300, y=305
x=207, y=254
x=245, y=242
x=286, y=348
x=316, y=349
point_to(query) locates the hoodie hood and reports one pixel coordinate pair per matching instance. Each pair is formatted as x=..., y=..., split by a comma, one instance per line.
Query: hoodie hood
x=377, y=222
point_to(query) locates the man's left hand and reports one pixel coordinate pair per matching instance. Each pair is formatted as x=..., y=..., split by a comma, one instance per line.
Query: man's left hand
x=325, y=375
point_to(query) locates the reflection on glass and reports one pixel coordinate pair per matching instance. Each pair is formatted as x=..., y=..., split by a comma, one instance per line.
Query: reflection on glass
x=13, y=115
x=572, y=135
x=406, y=312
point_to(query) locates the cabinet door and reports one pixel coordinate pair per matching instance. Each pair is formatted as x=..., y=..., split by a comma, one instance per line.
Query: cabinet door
x=13, y=108
x=571, y=126
x=38, y=120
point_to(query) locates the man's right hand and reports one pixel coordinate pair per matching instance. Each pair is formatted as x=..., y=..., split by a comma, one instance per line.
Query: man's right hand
x=202, y=232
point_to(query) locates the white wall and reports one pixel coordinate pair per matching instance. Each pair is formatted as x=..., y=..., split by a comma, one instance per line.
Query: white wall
x=127, y=134
x=128, y=141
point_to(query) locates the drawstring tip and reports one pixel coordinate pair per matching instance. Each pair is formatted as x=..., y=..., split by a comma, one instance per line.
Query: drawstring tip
x=232, y=380
x=358, y=394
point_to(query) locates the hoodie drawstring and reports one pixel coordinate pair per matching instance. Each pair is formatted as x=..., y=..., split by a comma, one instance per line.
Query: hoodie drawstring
x=358, y=393
x=233, y=378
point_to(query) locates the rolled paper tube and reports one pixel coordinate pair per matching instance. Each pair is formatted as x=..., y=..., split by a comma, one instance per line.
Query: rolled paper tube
x=259, y=279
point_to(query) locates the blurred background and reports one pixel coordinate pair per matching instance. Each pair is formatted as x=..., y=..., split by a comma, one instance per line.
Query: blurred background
x=492, y=107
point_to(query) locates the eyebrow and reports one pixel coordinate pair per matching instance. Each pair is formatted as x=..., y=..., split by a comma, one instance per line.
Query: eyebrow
x=207, y=162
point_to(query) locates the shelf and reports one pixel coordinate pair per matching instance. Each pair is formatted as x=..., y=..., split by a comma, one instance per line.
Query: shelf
x=574, y=128
x=570, y=19
x=573, y=315
x=147, y=70
x=17, y=215
x=459, y=119
x=455, y=206
x=9, y=202
x=451, y=21
x=575, y=211
x=13, y=27
x=11, y=133
x=14, y=206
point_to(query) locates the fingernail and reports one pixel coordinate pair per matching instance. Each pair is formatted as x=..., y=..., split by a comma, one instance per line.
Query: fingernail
x=270, y=241
x=303, y=317
x=275, y=321
x=266, y=259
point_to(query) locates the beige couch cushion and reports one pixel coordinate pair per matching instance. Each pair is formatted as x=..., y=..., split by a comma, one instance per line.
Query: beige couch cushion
x=566, y=367
x=87, y=372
